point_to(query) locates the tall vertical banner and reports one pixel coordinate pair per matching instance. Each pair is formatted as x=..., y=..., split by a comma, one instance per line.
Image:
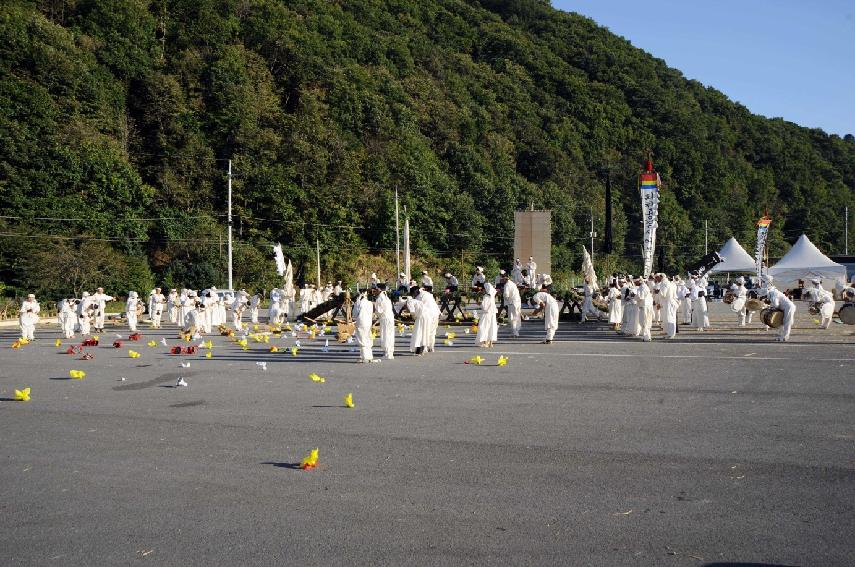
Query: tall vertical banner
x=760, y=249
x=648, y=185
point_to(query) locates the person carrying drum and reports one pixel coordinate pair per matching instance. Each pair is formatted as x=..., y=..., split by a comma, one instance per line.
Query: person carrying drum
x=740, y=296
x=779, y=300
x=823, y=301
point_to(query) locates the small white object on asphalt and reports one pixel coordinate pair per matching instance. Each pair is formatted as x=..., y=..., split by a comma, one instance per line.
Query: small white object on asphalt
x=181, y=383
x=326, y=347
x=122, y=379
x=163, y=342
x=185, y=365
x=262, y=365
x=297, y=344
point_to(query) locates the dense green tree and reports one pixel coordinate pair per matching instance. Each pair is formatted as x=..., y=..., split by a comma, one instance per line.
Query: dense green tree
x=118, y=117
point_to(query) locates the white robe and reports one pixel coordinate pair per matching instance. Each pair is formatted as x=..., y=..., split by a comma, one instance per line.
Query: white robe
x=778, y=300
x=172, y=306
x=253, y=308
x=588, y=309
x=29, y=316
x=488, y=327
x=550, y=312
x=644, y=301
x=84, y=319
x=67, y=318
x=157, y=301
x=826, y=307
x=363, y=313
x=101, y=300
x=669, y=305
x=615, y=306
x=514, y=304
x=131, y=312
x=420, y=325
x=386, y=317
x=431, y=318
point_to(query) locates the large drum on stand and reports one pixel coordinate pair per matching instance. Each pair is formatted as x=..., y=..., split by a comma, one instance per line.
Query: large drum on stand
x=772, y=318
x=847, y=313
x=729, y=297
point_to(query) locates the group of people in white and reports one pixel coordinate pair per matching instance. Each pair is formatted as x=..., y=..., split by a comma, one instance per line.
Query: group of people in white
x=636, y=303
x=632, y=305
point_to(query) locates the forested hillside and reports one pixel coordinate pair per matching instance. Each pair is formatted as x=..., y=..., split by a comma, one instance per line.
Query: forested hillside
x=117, y=118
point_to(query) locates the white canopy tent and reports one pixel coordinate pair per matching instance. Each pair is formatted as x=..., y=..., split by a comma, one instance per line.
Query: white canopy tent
x=736, y=259
x=805, y=262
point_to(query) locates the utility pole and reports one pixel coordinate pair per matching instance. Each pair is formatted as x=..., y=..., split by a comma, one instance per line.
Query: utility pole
x=846, y=234
x=230, y=226
x=397, y=236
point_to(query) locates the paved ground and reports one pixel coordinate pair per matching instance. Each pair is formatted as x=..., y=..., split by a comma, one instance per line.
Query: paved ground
x=720, y=447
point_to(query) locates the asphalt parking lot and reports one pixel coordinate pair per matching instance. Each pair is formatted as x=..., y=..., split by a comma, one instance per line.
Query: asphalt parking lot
x=721, y=447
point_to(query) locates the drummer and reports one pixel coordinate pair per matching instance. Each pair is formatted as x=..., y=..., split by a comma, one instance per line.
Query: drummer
x=779, y=300
x=740, y=296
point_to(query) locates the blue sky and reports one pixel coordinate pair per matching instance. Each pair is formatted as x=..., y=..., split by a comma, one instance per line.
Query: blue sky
x=780, y=58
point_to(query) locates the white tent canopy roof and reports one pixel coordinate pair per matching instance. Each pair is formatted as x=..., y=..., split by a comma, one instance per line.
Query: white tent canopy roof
x=736, y=259
x=804, y=261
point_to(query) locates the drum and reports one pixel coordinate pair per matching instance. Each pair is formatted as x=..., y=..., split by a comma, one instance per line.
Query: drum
x=773, y=318
x=814, y=308
x=754, y=304
x=738, y=304
x=729, y=298
x=847, y=314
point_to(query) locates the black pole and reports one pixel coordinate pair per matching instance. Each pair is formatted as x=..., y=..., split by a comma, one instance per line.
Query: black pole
x=607, y=244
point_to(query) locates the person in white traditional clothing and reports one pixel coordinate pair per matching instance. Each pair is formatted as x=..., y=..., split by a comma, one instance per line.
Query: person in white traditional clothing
x=478, y=280
x=326, y=292
x=150, y=303
x=157, y=303
x=427, y=281
x=631, y=325
x=544, y=281
x=274, y=312
x=418, y=338
x=700, y=316
x=182, y=309
x=238, y=307
x=685, y=297
x=431, y=318
x=531, y=268
x=513, y=302
x=132, y=306
x=546, y=304
x=372, y=283
x=669, y=304
x=644, y=301
x=85, y=311
x=824, y=301
x=497, y=281
x=488, y=327
x=386, y=318
x=589, y=311
x=100, y=298
x=653, y=284
x=451, y=282
x=193, y=318
x=29, y=316
x=317, y=297
x=338, y=289
x=67, y=316
x=254, y=303
x=305, y=299
x=516, y=273
x=363, y=318
x=740, y=297
x=779, y=300
x=224, y=301
x=615, y=304
x=172, y=305
x=209, y=303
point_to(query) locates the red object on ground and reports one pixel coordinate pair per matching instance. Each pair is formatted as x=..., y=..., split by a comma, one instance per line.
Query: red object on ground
x=134, y=336
x=117, y=344
x=89, y=342
x=87, y=356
